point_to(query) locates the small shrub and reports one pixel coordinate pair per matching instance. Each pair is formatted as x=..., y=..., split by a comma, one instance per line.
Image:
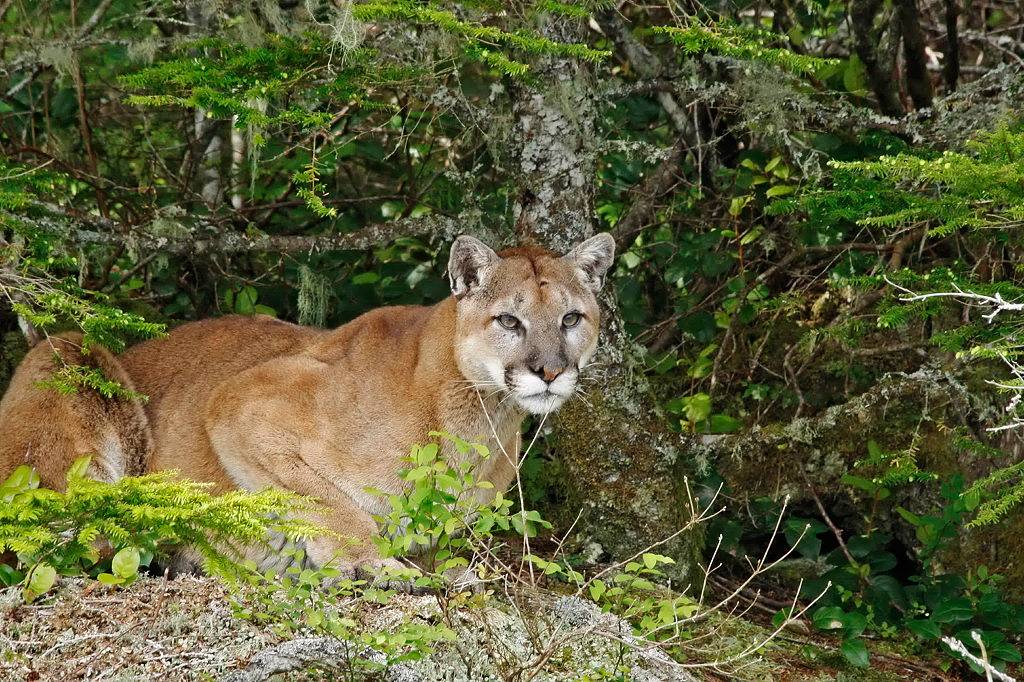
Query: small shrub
x=53, y=533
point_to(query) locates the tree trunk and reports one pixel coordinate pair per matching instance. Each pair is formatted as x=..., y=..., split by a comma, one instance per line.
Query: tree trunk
x=876, y=53
x=624, y=469
x=919, y=83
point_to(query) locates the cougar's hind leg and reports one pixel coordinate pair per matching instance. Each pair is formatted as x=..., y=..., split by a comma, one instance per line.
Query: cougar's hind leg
x=49, y=430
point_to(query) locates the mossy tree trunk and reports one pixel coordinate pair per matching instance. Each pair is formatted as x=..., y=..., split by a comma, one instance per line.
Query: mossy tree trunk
x=624, y=469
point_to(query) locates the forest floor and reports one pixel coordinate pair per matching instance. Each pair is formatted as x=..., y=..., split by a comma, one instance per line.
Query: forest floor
x=185, y=629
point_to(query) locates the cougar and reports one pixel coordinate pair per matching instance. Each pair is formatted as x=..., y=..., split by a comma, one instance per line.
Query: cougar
x=250, y=402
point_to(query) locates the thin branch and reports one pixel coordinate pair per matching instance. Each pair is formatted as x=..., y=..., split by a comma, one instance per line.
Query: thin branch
x=828, y=521
x=657, y=183
x=201, y=238
x=85, y=30
x=990, y=672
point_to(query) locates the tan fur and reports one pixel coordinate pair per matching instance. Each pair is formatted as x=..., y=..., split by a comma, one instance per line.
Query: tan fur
x=48, y=431
x=252, y=402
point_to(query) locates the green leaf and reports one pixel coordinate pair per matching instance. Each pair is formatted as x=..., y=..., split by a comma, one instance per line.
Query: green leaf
x=698, y=407
x=855, y=652
x=854, y=623
x=41, y=578
x=953, y=610
x=126, y=563
x=828, y=618
x=366, y=278
x=855, y=76
x=10, y=576
x=737, y=205
x=77, y=470
x=22, y=478
x=868, y=486
x=245, y=300
x=780, y=190
x=723, y=423
x=909, y=517
x=924, y=628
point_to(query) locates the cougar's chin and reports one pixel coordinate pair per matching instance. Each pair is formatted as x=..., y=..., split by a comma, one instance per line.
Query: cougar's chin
x=540, y=403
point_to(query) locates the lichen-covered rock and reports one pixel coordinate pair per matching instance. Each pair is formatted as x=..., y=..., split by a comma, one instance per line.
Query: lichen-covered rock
x=183, y=629
x=917, y=409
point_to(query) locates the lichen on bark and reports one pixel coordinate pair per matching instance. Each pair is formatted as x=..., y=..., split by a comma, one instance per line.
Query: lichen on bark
x=624, y=466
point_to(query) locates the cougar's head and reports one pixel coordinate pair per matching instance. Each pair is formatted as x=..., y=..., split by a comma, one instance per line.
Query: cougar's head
x=527, y=319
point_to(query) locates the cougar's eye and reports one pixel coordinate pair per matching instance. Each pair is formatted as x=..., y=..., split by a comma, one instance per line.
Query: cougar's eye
x=570, y=320
x=508, y=321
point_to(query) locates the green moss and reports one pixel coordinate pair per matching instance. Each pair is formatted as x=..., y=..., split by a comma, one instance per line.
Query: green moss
x=630, y=494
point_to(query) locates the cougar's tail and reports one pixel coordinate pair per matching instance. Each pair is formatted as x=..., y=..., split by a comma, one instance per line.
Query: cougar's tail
x=49, y=430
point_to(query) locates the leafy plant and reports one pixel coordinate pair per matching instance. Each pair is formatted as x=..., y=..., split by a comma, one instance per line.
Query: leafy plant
x=110, y=530
x=869, y=595
x=442, y=508
x=323, y=601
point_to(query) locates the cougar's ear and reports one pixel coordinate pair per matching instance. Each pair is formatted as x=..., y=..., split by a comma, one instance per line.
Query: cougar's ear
x=592, y=259
x=468, y=263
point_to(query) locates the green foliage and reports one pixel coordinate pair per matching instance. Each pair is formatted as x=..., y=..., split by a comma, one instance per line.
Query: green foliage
x=480, y=38
x=100, y=324
x=444, y=508
x=230, y=79
x=35, y=284
x=54, y=533
x=979, y=187
x=741, y=42
x=739, y=281
x=1003, y=491
x=633, y=594
x=70, y=379
x=325, y=602
x=868, y=594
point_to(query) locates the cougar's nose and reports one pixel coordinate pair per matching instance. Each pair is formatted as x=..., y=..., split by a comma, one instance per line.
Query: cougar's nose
x=548, y=374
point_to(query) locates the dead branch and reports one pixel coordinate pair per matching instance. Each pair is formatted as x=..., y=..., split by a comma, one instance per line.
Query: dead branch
x=202, y=237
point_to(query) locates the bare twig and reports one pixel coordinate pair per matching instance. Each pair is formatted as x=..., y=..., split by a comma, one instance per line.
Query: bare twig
x=990, y=672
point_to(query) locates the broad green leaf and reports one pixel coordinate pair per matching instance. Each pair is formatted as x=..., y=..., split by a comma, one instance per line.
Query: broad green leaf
x=126, y=563
x=855, y=652
x=924, y=628
x=780, y=190
x=78, y=468
x=41, y=578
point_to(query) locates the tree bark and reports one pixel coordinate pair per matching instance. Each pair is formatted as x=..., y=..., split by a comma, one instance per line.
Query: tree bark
x=624, y=469
x=951, y=60
x=919, y=83
x=877, y=60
